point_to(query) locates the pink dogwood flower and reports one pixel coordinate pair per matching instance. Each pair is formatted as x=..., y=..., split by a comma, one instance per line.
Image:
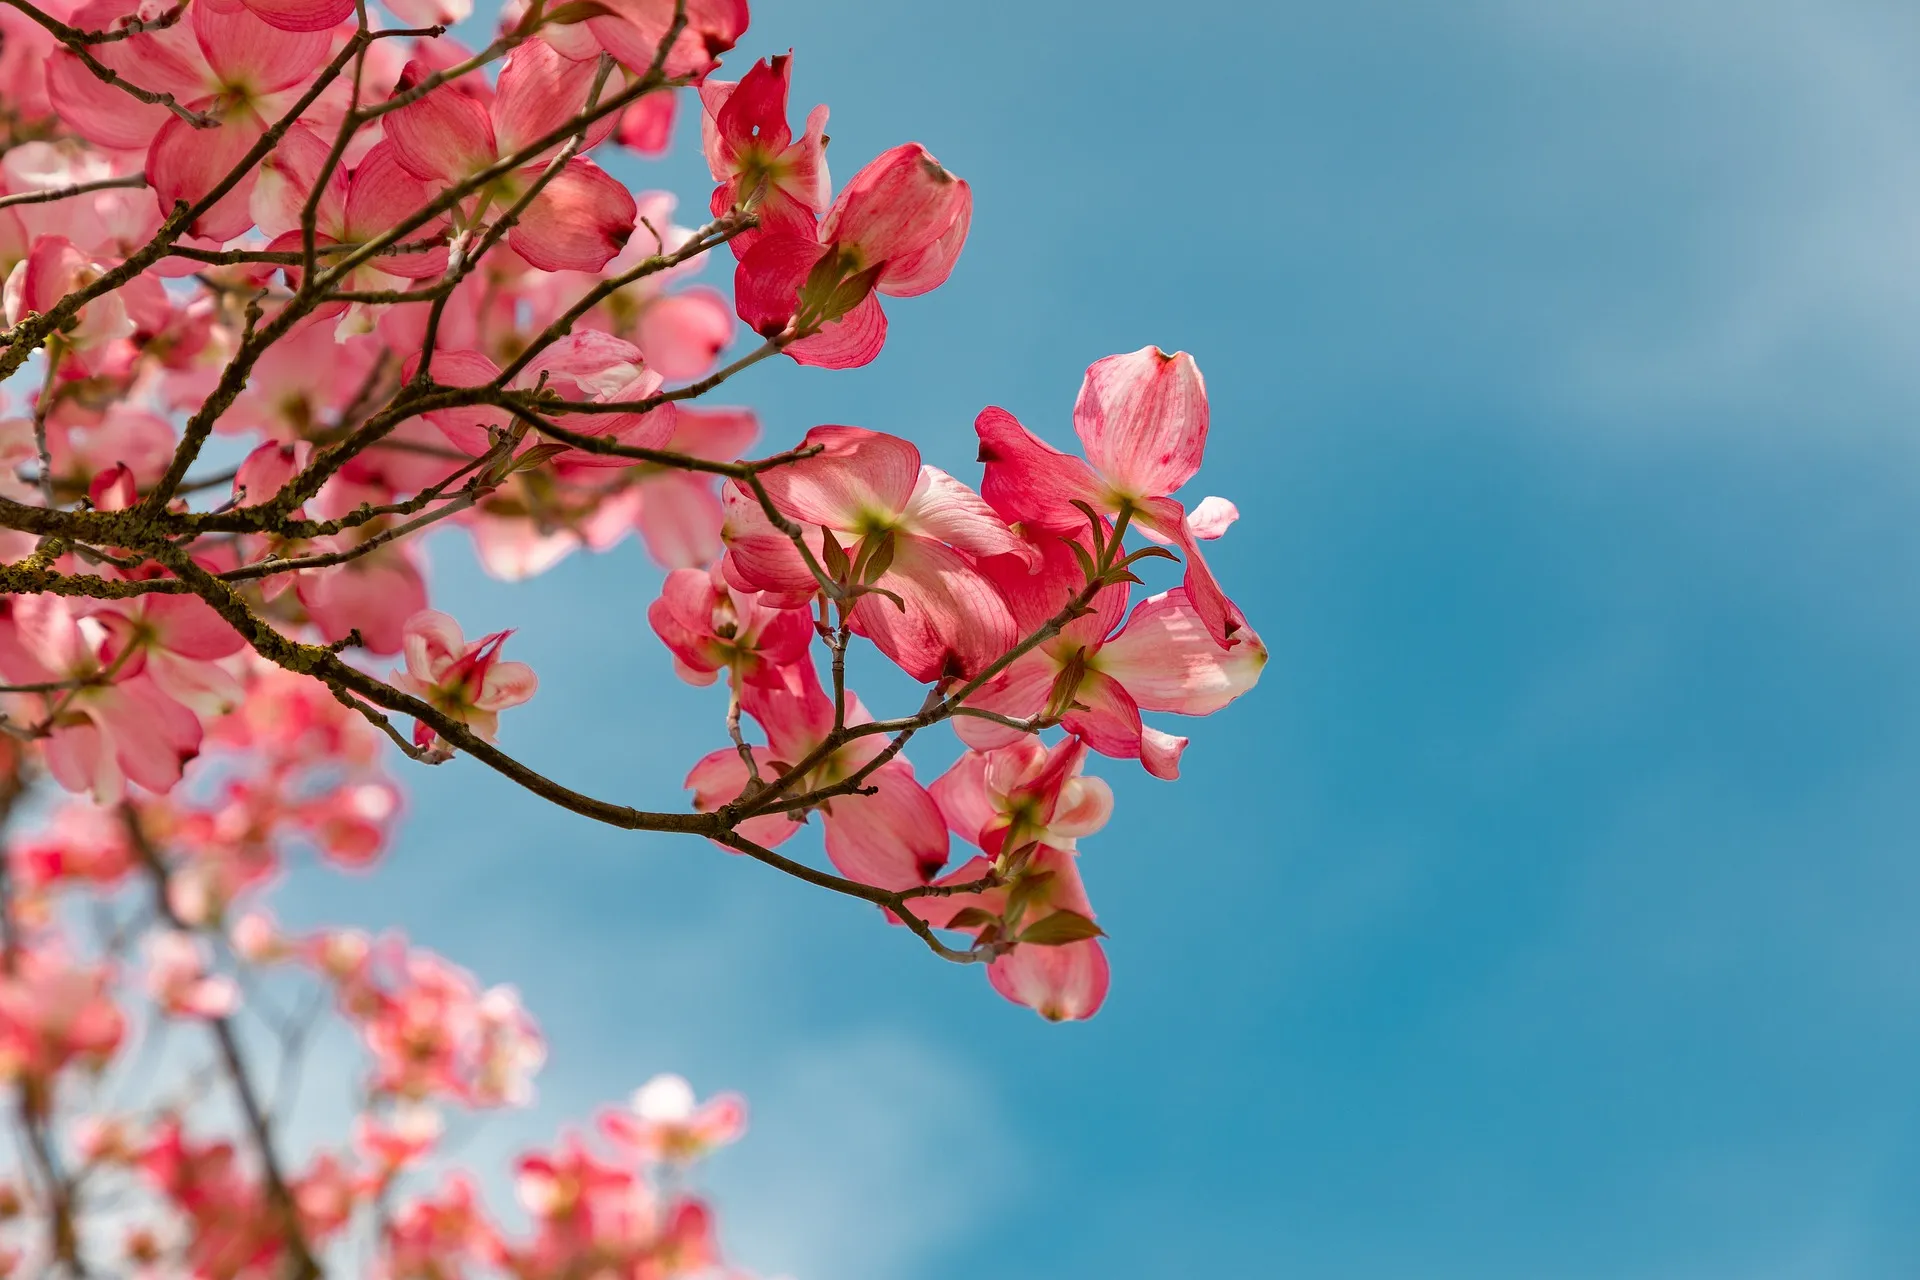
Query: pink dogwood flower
x=1056, y=965
x=631, y=30
x=1023, y=794
x=178, y=980
x=374, y=594
x=54, y=1012
x=227, y=63
x=1097, y=675
x=580, y=219
x=753, y=155
x=105, y=731
x=864, y=488
x=893, y=838
x=1142, y=418
x=467, y=682
x=666, y=1123
x=53, y=269
x=712, y=627
x=896, y=229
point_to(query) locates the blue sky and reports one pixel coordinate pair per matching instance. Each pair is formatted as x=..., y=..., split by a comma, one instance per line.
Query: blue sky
x=1548, y=911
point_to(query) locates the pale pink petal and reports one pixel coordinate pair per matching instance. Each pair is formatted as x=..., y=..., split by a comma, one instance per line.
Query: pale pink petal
x=953, y=620
x=287, y=177
x=188, y=626
x=302, y=15
x=797, y=717
x=97, y=111
x=1059, y=983
x=721, y=776
x=948, y=511
x=921, y=272
x=719, y=435
x=961, y=793
x=578, y=222
x=1037, y=594
x=902, y=202
x=513, y=550
x=759, y=556
x=255, y=47
x=1028, y=480
x=186, y=164
x=152, y=736
x=1168, y=661
x=1109, y=720
x=538, y=92
x=466, y=427
x=1212, y=518
x=858, y=478
x=1086, y=805
x=1160, y=752
x=1222, y=616
x=432, y=641
x=382, y=194
x=78, y=757
x=895, y=838
x=442, y=137
x=506, y=684
x=1019, y=692
x=633, y=30
x=684, y=333
x=847, y=343
x=1143, y=420
x=680, y=519
x=374, y=595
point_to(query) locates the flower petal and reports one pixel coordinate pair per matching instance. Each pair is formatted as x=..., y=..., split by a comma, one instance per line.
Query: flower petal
x=857, y=478
x=578, y=222
x=1167, y=660
x=1143, y=420
x=894, y=838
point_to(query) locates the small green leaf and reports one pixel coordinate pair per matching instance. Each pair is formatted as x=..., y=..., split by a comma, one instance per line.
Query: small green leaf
x=1087, y=568
x=1060, y=928
x=971, y=918
x=1022, y=893
x=538, y=455
x=576, y=11
x=898, y=603
x=1065, y=685
x=879, y=560
x=832, y=555
x=1098, y=526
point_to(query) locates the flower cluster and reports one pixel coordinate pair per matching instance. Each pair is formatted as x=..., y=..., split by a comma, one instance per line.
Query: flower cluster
x=288, y=284
x=175, y=885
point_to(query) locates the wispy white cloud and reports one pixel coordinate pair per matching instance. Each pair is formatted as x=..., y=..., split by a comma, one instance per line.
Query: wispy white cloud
x=1780, y=142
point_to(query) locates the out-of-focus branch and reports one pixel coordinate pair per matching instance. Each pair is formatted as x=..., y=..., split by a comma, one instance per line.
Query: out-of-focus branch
x=52, y=194
x=235, y=1064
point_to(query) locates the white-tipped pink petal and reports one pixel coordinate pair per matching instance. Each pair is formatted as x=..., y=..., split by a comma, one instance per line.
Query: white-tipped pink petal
x=1212, y=518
